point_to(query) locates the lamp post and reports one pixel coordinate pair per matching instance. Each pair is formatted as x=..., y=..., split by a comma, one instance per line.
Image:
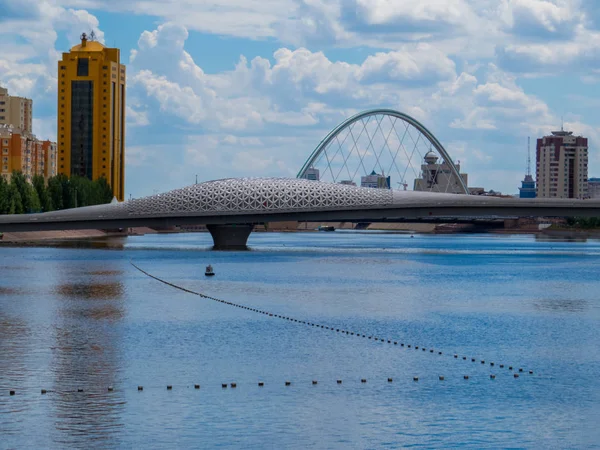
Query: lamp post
x=196, y=178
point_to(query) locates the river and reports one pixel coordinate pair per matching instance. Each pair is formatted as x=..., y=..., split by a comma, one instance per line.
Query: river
x=78, y=318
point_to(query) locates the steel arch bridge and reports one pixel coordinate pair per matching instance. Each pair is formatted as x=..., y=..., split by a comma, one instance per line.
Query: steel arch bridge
x=381, y=143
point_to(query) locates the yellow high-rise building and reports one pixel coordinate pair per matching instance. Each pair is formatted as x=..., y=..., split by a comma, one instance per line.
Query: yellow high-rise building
x=91, y=114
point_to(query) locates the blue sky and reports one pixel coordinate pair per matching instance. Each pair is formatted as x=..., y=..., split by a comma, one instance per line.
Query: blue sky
x=220, y=88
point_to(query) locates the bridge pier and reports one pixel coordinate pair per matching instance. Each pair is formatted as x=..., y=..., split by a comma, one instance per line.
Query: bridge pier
x=230, y=237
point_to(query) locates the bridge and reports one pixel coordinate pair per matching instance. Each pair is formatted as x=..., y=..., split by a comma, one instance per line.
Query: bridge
x=231, y=207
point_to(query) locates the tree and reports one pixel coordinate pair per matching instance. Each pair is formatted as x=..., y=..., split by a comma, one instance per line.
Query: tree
x=103, y=191
x=4, y=199
x=61, y=192
x=55, y=191
x=15, y=205
x=39, y=185
x=29, y=197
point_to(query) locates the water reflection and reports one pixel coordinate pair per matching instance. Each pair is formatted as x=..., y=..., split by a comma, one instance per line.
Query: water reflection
x=574, y=306
x=541, y=237
x=108, y=243
x=87, y=355
x=10, y=291
x=14, y=346
x=91, y=291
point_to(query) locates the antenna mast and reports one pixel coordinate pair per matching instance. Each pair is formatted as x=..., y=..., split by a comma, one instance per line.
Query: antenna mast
x=528, y=156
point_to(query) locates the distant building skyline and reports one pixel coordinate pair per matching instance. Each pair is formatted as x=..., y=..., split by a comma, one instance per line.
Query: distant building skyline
x=375, y=180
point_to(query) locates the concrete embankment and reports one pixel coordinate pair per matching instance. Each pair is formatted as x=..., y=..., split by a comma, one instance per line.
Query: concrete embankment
x=35, y=236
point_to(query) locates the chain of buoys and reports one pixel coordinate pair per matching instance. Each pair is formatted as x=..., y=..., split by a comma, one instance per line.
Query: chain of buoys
x=310, y=324
x=233, y=385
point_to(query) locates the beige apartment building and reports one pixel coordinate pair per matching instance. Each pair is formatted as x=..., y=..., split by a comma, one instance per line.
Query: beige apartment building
x=16, y=112
x=562, y=166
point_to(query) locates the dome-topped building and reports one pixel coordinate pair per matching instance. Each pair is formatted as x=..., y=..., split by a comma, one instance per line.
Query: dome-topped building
x=438, y=177
x=431, y=157
x=91, y=113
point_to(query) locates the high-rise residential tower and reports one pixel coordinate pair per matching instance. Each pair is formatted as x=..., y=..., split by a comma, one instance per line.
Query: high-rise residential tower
x=16, y=112
x=562, y=166
x=91, y=114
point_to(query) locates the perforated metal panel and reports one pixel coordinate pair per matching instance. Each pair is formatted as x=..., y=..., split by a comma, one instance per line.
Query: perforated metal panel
x=242, y=195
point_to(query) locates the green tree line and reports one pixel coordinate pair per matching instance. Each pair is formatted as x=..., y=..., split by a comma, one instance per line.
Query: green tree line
x=584, y=222
x=19, y=197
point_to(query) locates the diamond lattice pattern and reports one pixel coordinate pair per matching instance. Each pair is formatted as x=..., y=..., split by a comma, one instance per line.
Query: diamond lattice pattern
x=241, y=195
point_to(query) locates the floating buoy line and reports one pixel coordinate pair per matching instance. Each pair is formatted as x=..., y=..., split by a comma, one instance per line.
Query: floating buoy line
x=317, y=325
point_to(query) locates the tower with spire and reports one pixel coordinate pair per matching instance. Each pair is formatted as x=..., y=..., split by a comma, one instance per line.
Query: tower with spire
x=527, y=189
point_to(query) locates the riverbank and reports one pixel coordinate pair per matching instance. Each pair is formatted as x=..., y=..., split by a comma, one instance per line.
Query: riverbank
x=25, y=237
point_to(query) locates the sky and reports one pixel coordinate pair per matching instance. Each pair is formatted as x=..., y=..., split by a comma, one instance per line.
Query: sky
x=231, y=88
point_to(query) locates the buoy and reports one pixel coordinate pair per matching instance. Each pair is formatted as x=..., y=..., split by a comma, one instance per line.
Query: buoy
x=196, y=386
x=492, y=376
x=110, y=389
x=389, y=342
x=482, y=361
x=224, y=385
x=287, y=383
x=491, y=364
x=466, y=377
x=424, y=349
x=456, y=356
x=395, y=343
x=416, y=347
x=363, y=380
x=401, y=344
x=531, y=372
x=261, y=384
x=314, y=382
x=140, y=388
x=390, y=380
x=339, y=381
x=441, y=378
x=415, y=378
x=439, y=353
x=464, y=358
x=520, y=369
x=509, y=367
x=502, y=366
x=233, y=385
x=431, y=351
x=408, y=345
x=472, y=359
x=12, y=392
x=169, y=387
x=43, y=391
x=516, y=375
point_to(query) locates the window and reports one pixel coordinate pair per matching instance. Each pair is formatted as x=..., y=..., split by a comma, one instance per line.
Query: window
x=82, y=128
x=2, y=118
x=63, y=67
x=83, y=65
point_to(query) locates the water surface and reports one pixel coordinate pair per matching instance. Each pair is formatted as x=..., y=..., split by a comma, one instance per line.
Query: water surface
x=81, y=317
